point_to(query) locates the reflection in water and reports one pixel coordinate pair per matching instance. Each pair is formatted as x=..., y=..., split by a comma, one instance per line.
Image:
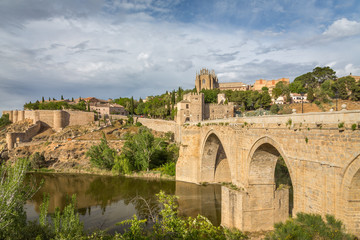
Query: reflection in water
x=103, y=201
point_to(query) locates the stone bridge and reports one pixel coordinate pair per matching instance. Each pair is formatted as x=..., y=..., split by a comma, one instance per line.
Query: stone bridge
x=321, y=151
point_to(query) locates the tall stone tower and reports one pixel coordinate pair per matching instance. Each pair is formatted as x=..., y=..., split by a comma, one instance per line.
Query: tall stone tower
x=206, y=79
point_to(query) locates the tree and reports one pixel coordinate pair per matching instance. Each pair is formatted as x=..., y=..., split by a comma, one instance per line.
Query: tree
x=264, y=89
x=296, y=87
x=102, y=156
x=265, y=100
x=210, y=95
x=310, y=95
x=141, y=147
x=179, y=94
x=4, y=120
x=132, y=106
x=281, y=89
x=42, y=99
x=62, y=97
x=321, y=74
x=13, y=196
x=173, y=99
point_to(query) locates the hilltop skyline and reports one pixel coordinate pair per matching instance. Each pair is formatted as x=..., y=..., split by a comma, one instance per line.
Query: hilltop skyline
x=109, y=49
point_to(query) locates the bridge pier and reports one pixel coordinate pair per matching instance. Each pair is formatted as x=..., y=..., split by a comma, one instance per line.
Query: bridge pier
x=256, y=210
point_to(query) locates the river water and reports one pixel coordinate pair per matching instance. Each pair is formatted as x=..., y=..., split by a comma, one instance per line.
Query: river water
x=102, y=201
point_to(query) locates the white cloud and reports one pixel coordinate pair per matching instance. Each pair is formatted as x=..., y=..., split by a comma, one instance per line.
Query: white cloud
x=342, y=28
x=132, y=54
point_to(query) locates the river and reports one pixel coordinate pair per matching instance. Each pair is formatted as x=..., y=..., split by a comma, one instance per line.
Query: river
x=102, y=201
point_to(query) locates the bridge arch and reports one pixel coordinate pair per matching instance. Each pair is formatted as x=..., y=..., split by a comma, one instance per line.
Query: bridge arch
x=267, y=200
x=273, y=150
x=351, y=196
x=214, y=164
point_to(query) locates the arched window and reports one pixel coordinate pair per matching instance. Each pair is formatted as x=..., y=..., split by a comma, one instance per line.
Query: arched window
x=203, y=81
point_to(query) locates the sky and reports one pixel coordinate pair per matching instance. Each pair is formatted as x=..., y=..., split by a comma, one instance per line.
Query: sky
x=111, y=49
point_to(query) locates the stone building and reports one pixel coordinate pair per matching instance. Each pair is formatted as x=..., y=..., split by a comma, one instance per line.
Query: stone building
x=298, y=98
x=194, y=109
x=234, y=86
x=206, y=79
x=105, y=109
x=270, y=84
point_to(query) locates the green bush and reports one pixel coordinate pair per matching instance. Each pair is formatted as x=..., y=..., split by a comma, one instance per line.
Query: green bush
x=274, y=108
x=13, y=196
x=102, y=156
x=4, y=120
x=310, y=226
x=37, y=160
x=171, y=226
x=138, y=124
x=122, y=165
x=168, y=168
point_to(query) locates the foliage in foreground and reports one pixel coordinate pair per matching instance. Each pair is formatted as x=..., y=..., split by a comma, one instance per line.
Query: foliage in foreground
x=13, y=196
x=310, y=226
x=171, y=226
x=67, y=225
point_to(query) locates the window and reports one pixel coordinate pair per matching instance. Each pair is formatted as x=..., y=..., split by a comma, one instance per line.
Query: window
x=203, y=81
x=187, y=106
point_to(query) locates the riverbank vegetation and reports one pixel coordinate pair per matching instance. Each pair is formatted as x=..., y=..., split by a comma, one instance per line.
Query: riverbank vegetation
x=310, y=226
x=166, y=224
x=142, y=151
x=66, y=224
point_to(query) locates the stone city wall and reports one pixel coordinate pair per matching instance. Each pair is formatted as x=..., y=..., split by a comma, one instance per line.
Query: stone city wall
x=57, y=119
x=217, y=111
x=158, y=125
x=14, y=138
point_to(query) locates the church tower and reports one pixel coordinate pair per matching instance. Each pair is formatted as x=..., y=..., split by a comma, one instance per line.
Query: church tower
x=206, y=79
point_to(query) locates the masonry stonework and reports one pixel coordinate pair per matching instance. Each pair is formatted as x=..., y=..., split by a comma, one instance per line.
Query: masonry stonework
x=56, y=119
x=323, y=162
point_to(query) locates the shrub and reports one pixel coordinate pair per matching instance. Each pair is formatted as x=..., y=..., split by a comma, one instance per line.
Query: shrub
x=353, y=127
x=130, y=120
x=274, y=108
x=168, y=168
x=4, y=120
x=37, y=160
x=138, y=124
x=13, y=195
x=309, y=226
x=341, y=125
x=102, y=156
x=122, y=165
